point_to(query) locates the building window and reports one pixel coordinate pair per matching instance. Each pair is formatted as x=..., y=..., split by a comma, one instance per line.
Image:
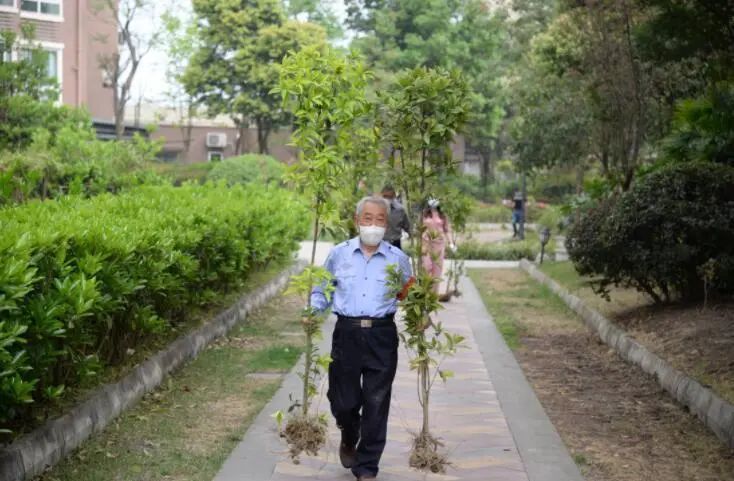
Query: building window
x=43, y=7
x=215, y=156
x=7, y=4
x=50, y=57
x=168, y=155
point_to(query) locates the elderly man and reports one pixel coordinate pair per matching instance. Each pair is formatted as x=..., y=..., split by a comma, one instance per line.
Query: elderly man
x=365, y=341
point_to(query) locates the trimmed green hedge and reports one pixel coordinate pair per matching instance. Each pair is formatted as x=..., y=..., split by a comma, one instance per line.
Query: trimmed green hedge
x=498, y=213
x=506, y=251
x=84, y=280
x=74, y=162
x=179, y=173
x=248, y=168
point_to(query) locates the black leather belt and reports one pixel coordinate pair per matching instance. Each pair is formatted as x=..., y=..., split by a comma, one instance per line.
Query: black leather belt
x=367, y=321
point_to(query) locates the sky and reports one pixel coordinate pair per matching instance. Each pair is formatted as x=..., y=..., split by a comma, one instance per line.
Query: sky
x=151, y=82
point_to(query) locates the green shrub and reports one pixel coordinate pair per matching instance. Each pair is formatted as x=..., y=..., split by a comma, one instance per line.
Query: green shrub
x=471, y=185
x=26, y=91
x=703, y=128
x=552, y=218
x=73, y=161
x=498, y=213
x=553, y=186
x=490, y=213
x=506, y=251
x=248, y=168
x=659, y=235
x=179, y=173
x=83, y=280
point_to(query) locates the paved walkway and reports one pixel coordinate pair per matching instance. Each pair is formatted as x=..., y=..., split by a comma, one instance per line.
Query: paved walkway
x=465, y=412
x=487, y=415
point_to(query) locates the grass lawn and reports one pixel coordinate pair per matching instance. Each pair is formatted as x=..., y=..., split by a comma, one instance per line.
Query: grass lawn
x=187, y=428
x=621, y=299
x=616, y=422
x=697, y=341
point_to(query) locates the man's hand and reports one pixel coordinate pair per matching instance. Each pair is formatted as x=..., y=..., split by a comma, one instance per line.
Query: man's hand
x=404, y=291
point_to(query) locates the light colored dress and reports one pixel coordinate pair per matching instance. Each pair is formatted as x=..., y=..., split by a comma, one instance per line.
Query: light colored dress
x=437, y=233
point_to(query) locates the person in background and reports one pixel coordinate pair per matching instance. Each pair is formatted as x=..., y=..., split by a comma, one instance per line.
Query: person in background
x=436, y=235
x=518, y=215
x=398, y=220
x=364, y=348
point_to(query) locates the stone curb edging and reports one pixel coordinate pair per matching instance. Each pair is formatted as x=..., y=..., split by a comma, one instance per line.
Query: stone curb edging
x=716, y=413
x=29, y=455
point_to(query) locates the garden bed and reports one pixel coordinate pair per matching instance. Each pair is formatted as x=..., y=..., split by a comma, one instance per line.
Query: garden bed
x=166, y=437
x=86, y=284
x=617, y=423
x=696, y=341
x=498, y=245
x=29, y=455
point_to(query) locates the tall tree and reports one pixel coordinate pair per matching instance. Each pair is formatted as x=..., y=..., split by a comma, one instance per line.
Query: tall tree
x=180, y=41
x=134, y=44
x=325, y=91
x=456, y=34
x=685, y=29
x=319, y=12
x=234, y=69
x=419, y=116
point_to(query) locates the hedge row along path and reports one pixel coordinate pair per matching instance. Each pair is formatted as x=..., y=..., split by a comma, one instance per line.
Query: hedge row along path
x=487, y=415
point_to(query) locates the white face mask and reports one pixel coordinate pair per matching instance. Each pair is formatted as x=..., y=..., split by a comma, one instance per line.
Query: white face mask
x=371, y=235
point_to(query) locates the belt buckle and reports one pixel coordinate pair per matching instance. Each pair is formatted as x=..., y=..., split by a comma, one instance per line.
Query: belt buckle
x=365, y=322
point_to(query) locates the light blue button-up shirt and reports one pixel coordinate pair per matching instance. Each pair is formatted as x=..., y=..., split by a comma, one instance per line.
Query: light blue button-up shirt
x=361, y=283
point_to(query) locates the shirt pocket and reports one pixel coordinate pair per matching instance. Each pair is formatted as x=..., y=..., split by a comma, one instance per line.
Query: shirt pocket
x=382, y=294
x=345, y=281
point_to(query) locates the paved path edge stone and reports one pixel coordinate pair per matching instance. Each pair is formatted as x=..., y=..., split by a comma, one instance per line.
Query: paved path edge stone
x=716, y=413
x=31, y=454
x=544, y=454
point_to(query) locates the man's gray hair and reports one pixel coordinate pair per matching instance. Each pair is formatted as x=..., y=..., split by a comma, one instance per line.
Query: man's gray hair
x=373, y=199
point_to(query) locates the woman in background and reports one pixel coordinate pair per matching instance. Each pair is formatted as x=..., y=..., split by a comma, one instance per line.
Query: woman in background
x=436, y=234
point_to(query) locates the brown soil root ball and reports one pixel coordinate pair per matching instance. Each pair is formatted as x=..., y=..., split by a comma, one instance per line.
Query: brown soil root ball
x=426, y=455
x=304, y=434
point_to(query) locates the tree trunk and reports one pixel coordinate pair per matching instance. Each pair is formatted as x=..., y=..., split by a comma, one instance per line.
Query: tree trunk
x=263, y=132
x=307, y=373
x=241, y=139
x=425, y=387
x=188, y=128
x=119, y=108
x=309, y=337
x=580, y=171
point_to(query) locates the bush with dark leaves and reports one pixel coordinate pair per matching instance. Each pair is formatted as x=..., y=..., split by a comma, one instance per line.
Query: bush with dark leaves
x=671, y=235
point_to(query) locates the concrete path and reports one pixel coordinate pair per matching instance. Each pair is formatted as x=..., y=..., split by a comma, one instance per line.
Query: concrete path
x=561, y=253
x=487, y=415
x=322, y=250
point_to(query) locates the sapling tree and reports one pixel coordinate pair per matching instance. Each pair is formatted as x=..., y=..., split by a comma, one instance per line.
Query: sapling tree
x=325, y=92
x=457, y=207
x=419, y=117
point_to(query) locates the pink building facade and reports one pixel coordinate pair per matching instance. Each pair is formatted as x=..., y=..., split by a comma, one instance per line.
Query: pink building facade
x=76, y=34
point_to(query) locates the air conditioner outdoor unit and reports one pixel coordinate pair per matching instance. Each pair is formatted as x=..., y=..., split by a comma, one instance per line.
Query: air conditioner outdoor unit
x=216, y=139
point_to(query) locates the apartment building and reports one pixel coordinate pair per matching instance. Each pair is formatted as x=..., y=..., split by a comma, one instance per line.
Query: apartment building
x=76, y=34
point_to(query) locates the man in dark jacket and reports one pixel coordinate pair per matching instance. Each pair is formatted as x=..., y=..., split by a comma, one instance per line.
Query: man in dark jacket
x=398, y=220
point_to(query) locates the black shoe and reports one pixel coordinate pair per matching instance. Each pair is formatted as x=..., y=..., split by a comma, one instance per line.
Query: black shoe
x=347, y=454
